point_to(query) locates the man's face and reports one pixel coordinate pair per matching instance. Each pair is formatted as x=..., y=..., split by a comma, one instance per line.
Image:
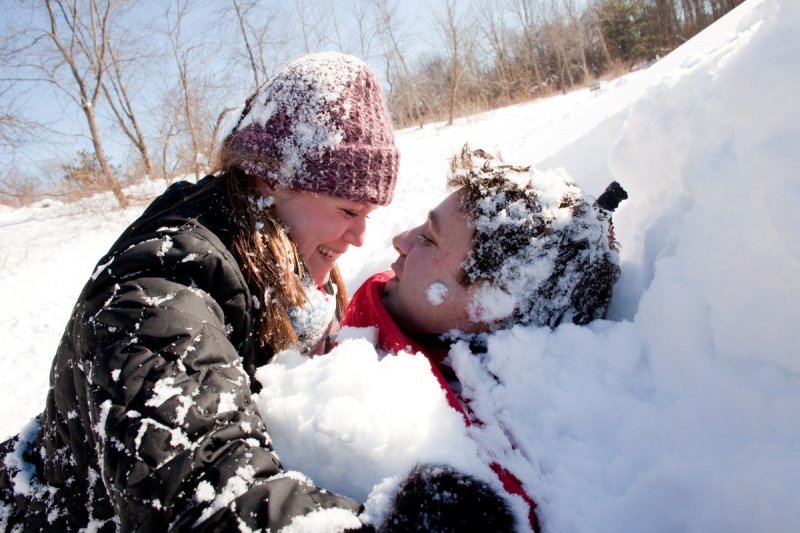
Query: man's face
x=425, y=296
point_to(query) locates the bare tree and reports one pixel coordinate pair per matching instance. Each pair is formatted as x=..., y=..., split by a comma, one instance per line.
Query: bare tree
x=215, y=132
x=557, y=37
x=242, y=11
x=264, y=45
x=193, y=87
x=391, y=40
x=84, y=49
x=9, y=127
x=71, y=53
x=117, y=95
x=14, y=129
x=169, y=131
x=497, y=33
x=452, y=30
x=597, y=33
x=576, y=31
x=311, y=18
x=526, y=13
x=360, y=11
x=16, y=189
x=13, y=134
x=453, y=25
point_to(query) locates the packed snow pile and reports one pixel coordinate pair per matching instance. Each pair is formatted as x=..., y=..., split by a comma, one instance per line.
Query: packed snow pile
x=678, y=413
x=324, y=411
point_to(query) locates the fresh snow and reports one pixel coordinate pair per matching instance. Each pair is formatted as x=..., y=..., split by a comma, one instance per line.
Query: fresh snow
x=679, y=413
x=333, y=403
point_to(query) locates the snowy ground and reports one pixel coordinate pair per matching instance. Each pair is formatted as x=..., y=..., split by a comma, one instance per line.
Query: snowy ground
x=677, y=414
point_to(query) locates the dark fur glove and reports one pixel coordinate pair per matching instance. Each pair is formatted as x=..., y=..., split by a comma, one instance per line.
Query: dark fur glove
x=436, y=498
x=611, y=197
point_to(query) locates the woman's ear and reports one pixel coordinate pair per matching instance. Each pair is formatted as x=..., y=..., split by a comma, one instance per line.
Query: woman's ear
x=264, y=187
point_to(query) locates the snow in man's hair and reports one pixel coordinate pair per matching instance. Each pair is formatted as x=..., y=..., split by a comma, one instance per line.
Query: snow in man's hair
x=542, y=251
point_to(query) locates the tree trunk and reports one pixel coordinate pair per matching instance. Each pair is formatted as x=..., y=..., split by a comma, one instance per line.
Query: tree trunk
x=90, y=38
x=111, y=181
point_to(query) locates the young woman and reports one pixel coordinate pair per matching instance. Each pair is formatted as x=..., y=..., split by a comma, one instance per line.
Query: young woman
x=149, y=422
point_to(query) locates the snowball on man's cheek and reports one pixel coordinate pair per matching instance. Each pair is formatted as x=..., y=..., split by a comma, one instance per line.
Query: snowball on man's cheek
x=436, y=292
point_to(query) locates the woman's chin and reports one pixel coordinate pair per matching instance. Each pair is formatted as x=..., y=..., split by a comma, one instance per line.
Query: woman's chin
x=320, y=278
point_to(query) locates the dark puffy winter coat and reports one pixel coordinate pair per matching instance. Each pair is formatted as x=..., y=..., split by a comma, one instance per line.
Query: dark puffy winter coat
x=149, y=423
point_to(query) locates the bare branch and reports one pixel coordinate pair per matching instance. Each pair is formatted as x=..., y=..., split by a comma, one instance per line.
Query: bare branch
x=85, y=44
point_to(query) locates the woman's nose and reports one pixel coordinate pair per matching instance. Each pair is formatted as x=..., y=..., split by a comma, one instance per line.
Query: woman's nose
x=356, y=232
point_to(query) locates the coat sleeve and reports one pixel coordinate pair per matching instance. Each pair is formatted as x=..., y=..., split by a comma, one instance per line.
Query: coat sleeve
x=179, y=441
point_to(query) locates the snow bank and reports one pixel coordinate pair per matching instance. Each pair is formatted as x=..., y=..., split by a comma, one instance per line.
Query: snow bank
x=678, y=414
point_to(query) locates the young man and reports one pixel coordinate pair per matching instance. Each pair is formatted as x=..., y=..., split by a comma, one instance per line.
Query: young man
x=508, y=246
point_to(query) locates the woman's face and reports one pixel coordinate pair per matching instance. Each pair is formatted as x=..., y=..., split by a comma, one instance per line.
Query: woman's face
x=322, y=226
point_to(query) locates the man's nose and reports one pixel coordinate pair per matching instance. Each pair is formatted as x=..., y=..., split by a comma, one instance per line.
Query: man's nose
x=402, y=242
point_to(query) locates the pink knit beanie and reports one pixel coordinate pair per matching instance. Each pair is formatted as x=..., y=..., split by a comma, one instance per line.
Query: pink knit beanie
x=323, y=119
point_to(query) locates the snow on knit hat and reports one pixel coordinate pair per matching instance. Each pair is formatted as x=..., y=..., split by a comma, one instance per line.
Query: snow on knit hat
x=543, y=251
x=322, y=118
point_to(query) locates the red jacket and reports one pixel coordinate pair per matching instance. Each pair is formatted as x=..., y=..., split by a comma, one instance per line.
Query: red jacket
x=366, y=310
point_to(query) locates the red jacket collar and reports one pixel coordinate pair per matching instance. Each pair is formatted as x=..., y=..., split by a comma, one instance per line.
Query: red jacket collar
x=366, y=309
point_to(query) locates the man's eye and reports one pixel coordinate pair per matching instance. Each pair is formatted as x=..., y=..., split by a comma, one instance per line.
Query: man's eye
x=350, y=213
x=424, y=239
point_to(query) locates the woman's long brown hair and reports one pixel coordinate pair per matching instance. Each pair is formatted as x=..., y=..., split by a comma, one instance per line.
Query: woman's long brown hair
x=268, y=258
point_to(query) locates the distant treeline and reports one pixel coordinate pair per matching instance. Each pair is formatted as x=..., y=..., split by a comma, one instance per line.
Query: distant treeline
x=514, y=50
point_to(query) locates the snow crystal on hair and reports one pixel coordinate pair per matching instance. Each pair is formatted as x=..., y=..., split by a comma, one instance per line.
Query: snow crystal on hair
x=314, y=128
x=537, y=238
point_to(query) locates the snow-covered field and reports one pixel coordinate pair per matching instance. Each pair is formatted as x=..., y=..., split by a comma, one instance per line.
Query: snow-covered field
x=679, y=413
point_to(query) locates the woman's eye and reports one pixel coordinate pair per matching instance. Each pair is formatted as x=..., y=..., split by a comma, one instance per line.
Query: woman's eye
x=350, y=213
x=424, y=239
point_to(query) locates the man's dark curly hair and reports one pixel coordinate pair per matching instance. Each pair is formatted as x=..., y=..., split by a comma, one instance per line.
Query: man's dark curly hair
x=538, y=242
